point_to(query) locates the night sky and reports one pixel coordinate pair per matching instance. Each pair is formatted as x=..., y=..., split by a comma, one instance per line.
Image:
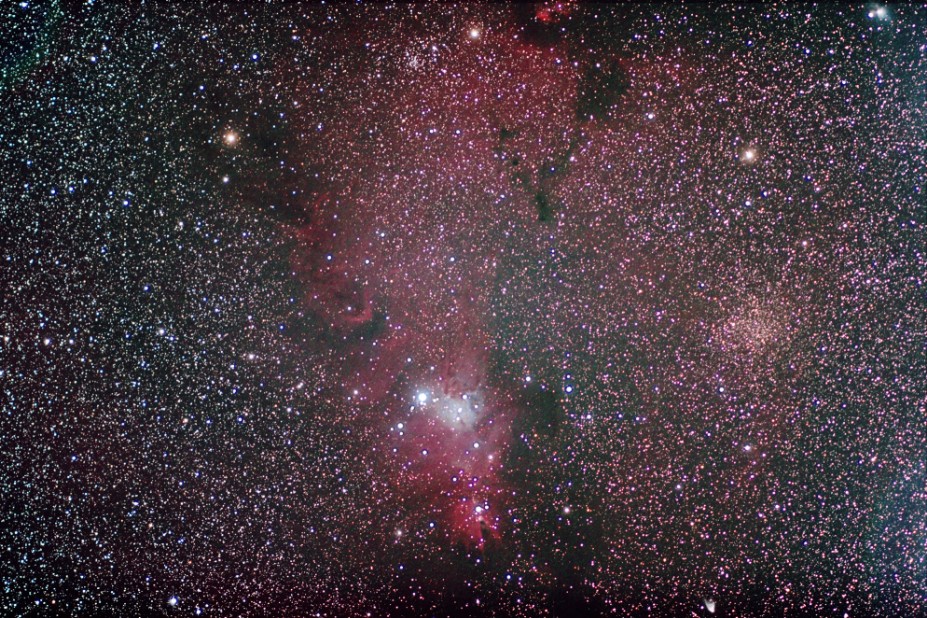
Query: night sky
x=463, y=310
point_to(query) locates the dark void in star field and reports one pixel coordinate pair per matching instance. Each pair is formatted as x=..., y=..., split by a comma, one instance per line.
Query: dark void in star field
x=547, y=309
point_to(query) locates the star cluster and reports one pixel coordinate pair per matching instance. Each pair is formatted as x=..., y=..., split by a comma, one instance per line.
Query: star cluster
x=542, y=309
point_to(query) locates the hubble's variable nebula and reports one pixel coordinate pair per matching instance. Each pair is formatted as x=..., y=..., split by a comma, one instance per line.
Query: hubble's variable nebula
x=543, y=309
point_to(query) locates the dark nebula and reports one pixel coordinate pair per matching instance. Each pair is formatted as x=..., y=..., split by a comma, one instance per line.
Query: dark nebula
x=428, y=309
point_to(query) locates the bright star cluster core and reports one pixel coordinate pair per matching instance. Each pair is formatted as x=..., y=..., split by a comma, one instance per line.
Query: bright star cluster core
x=477, y=309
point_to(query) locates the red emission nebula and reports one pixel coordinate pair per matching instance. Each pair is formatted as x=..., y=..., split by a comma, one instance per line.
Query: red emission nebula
x=399, y=252
x=406, y=252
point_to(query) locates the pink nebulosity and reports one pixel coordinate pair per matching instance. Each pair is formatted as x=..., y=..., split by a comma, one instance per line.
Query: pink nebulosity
x=397, y=265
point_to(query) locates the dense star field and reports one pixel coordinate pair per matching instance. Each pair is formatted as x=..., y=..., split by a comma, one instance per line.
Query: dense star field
x=463, y=310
